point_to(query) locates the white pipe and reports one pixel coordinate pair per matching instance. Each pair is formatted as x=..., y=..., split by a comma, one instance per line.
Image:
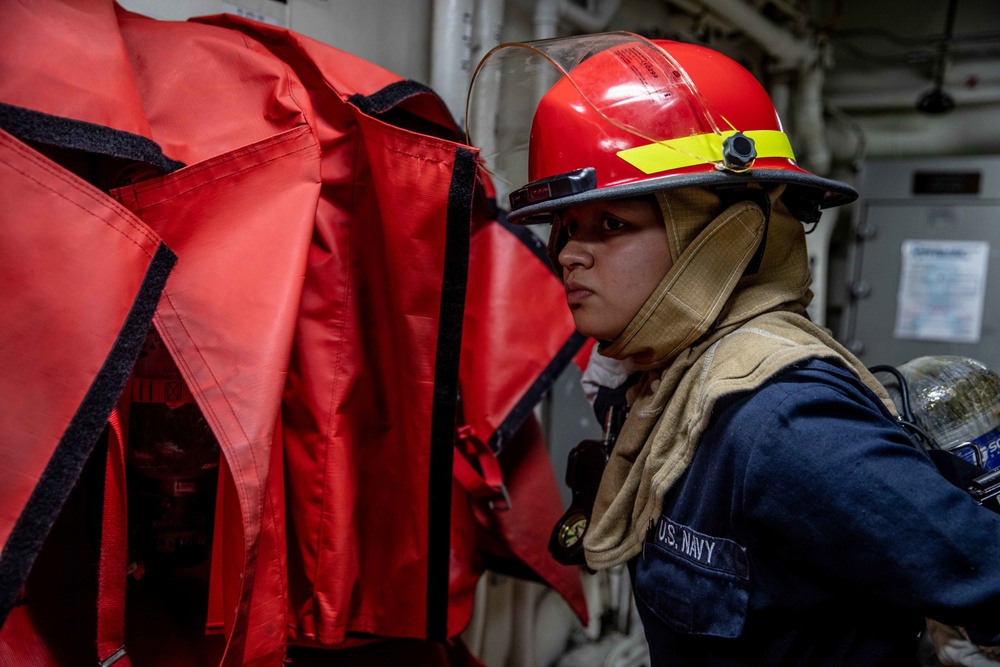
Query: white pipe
x=778, y=43
x=545, y=26
x=818, y=246
x=549, y=12
x=900, y=100
x=809, y=125
x=451, y=49
x=488, y=27
x=546, y=19
x=961, y=131
x=483, y=115
x=595, y=21
x=713, y=23
x=781, y=96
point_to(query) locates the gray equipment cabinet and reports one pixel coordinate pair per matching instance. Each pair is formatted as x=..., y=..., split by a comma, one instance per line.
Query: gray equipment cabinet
x=923, y=269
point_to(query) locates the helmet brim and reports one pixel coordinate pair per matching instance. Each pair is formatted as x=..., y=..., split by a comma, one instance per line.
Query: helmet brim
x=824, y=192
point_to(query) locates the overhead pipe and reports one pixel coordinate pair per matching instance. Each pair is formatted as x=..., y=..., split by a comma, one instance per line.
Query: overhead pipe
x=969, y=130
x=965, y=79
x=900, y=100
x=788, y=50
x=711, y=22
x=589, y=21
x=549, y=12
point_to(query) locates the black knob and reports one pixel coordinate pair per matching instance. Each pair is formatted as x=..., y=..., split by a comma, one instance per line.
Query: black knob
x=738, y=151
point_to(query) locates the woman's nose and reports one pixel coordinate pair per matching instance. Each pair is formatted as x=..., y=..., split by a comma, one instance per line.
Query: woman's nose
x=576, y=253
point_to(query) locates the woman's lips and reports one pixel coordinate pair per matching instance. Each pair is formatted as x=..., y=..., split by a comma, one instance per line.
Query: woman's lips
x=577, y=294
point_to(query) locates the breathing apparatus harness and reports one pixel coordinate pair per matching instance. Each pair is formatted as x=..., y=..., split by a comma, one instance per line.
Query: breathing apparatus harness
x=983, y=486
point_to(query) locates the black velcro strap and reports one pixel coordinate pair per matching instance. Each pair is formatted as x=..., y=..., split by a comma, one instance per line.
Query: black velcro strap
x=444, y=411
x=388, y=105
x=35, y=126
x=77, y=442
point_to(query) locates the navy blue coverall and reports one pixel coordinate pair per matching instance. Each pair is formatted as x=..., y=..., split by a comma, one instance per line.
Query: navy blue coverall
x=809, y=531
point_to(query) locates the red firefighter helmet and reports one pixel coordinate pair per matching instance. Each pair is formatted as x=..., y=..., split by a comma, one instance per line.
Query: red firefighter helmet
x=627, y=116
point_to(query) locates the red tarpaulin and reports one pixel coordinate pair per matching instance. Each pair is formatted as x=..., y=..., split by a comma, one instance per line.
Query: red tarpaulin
x=340, y=282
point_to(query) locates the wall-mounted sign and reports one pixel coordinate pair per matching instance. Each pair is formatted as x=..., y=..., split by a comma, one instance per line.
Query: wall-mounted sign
x=942, y=288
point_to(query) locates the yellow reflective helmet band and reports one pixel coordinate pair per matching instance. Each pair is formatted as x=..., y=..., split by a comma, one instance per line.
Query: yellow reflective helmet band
x=701, y=149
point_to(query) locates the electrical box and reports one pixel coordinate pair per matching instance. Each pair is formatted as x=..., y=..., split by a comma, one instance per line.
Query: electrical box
x=924, y=277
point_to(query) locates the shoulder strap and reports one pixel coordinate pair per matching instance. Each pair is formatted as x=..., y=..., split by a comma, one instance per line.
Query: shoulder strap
x=114, y=554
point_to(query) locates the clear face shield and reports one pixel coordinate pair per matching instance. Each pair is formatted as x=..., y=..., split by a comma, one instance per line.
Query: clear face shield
x=631, y=84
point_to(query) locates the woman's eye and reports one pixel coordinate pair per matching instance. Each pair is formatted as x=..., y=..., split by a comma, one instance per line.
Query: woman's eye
x=612, y=224
x=571, y=228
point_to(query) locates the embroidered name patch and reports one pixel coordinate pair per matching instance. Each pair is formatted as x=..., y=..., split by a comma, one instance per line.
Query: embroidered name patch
x=717, y=553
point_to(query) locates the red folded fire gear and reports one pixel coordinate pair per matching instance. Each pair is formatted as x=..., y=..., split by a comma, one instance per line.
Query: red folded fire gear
x=317, y=250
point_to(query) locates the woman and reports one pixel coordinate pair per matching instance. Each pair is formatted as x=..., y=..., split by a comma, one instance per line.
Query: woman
x=769, y=507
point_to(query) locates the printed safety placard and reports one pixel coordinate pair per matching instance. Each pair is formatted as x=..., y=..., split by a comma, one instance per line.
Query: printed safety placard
x=942, y=288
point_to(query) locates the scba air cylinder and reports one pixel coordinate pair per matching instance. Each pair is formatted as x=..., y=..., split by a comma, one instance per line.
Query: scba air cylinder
x=957, y=401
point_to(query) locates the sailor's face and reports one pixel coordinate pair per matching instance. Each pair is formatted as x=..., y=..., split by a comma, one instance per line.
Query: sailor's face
x=615, y=255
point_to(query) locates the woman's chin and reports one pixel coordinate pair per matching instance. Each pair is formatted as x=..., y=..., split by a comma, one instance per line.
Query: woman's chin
x=592, y=330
